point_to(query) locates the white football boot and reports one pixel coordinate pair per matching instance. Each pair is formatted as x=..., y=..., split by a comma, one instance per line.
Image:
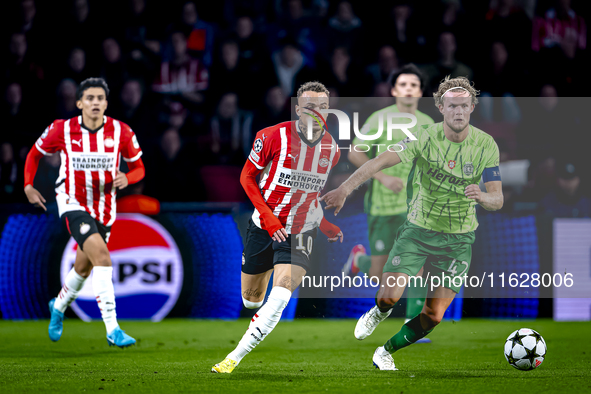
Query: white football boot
x=383, y=360
x=369, y=321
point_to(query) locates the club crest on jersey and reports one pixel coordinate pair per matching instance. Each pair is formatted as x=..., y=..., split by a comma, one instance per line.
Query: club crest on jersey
x=258, y=145
x=468, y=168
x=451, y=164
x=323, y=162
x=109, y=143
x=396, y=261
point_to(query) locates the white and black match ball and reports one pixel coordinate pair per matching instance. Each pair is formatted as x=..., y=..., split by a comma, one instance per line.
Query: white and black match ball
x=525, y=349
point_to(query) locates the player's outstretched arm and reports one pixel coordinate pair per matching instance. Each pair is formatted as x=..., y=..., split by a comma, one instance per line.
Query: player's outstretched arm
x=336, y=198
x=31, y=165
x=492, y=200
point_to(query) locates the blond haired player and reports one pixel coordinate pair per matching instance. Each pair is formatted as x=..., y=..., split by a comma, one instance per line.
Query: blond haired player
x=448, y=161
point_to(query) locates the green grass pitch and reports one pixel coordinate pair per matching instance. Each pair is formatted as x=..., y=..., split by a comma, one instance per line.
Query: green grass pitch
x=300, y=356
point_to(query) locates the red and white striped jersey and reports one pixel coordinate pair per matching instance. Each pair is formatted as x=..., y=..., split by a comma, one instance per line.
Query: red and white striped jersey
x=90, y=160
x=295, y=172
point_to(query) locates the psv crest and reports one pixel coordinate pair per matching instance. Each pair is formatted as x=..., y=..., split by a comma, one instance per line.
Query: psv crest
x=468, y=168
x=451, y=164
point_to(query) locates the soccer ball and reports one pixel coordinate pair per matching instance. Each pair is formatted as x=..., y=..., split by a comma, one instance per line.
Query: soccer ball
x=525, y=349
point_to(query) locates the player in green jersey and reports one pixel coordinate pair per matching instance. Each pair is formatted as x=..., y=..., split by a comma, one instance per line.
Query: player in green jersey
x=385, y=200
x=448, y=160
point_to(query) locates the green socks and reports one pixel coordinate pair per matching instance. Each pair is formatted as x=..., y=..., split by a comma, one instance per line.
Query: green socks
x=364, y=263
x=415, y=299
x=408, y=334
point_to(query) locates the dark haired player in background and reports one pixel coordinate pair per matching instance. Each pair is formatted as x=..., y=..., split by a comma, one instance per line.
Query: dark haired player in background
x=287, y=214
x=385, y=199
x=90, y=146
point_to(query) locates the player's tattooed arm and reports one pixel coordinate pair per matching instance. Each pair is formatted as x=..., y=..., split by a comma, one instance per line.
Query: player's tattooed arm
x=492, y=200
x=336, y=198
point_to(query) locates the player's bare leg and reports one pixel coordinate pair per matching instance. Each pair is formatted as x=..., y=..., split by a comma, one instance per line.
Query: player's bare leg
x=72, y=285
x=288, y=276
x=286, y=279
x=377, y=265
x=102, y=282
x=435, y=306
x=387, y=297
x=419, y=326
x=82, y=264
x=254, y=288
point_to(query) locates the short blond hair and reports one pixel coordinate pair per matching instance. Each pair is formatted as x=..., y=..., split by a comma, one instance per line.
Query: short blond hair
x=452, y=83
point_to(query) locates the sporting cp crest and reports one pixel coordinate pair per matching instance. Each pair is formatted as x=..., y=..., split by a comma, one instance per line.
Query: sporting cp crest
x=451, y=164
x=468, y=168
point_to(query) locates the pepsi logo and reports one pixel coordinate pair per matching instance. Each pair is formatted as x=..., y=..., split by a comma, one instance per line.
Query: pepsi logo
x=147, y=271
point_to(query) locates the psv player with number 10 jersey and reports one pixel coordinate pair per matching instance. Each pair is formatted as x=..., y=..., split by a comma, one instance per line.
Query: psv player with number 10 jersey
x=281, y=233
x=90, y=147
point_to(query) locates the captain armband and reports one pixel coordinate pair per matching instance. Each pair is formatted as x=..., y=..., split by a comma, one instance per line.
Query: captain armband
x=491, y=174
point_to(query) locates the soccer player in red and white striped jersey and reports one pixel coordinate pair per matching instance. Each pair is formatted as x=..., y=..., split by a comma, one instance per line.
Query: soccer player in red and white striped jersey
x=90, y=147
x=280, y=237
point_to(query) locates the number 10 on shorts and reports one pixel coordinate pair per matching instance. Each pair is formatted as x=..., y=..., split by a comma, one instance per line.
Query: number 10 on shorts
x=300, y=244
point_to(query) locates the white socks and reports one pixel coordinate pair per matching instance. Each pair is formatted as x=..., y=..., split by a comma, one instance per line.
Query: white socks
x=102, y=282
x=69, y=292
x=250, y=304
x=263, y=322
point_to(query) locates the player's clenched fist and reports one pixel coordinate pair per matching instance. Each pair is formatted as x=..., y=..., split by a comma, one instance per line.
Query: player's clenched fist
x=473, y=192
x=335, y=199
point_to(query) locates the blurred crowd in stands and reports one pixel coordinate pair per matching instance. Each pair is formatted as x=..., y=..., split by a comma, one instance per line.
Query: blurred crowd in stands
x=197, y=80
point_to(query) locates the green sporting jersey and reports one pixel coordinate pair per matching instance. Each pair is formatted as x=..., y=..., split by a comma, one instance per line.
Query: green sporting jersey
x=379, y=200
x=440, y=172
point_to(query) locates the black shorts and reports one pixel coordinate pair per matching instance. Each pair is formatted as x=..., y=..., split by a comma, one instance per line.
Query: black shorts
x=261, y=253
x=81, y=226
